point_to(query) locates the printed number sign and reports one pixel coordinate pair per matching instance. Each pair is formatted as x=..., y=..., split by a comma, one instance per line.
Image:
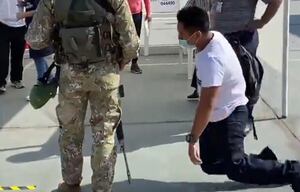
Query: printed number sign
x=163, y=6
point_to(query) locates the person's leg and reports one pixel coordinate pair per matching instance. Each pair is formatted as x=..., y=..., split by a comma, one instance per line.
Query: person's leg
x=4, y=56
x=137, y=19
x=71, y=112
x=41, y=66
x=250, y=124
x=211, y=149
x=249, y=168
x=17, y=52
x=105, y=118
x=252, y=44
x=194, y=84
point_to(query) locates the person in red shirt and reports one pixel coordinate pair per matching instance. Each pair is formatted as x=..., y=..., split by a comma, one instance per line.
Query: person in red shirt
x=137, y=15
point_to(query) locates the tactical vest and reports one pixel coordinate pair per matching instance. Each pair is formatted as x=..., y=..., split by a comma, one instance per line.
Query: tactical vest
x=85, y=31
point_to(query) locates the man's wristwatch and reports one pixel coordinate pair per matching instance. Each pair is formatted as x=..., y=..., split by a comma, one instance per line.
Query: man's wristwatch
x=191, y=139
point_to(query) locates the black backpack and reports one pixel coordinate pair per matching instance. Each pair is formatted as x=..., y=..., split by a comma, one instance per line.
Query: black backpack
x=252, y=70
x=253, y=73
x=85, y=31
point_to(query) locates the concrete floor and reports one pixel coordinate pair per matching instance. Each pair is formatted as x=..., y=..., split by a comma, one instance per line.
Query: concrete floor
x=156, y=118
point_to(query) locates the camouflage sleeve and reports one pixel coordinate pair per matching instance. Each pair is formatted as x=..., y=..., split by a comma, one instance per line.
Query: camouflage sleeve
x=124, y=25
x=39, y=32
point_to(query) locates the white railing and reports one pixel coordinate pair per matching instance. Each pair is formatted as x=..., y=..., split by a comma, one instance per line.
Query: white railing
x=190, y=63
x=168, y=6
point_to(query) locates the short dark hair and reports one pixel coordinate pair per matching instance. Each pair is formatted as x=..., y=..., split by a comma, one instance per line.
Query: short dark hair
x=194, y=18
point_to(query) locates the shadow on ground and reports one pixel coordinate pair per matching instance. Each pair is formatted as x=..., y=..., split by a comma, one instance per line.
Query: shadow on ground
x=143, y=185
x=157, y=134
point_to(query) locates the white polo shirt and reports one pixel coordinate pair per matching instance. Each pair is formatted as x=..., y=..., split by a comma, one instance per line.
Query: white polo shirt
x=8, y=13
x=218, y=65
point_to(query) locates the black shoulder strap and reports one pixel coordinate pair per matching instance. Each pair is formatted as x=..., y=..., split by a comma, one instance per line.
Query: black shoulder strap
x=106, y=5
x=45, y=79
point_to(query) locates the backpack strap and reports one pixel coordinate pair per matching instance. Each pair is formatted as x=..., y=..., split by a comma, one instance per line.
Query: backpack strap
x=104, y=9
x=46, y=77
x=106, y=5
x=254, y=131
x=61, y=10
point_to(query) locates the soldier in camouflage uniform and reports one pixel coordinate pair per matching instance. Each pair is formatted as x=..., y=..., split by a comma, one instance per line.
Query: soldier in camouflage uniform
x=96, y=83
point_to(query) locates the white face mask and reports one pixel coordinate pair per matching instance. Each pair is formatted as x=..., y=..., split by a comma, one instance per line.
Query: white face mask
x=185, y=43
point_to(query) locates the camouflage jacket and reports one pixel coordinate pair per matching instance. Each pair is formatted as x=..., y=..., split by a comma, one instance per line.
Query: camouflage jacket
x=40, y=30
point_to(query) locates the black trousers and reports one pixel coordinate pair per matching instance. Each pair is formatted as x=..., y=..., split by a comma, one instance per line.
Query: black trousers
x=194, y=80
x=137, y=19
x=11, y=42
x=222, y=152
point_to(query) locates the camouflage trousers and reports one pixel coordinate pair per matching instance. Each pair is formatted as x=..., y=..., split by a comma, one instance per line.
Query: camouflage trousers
x=97, y=85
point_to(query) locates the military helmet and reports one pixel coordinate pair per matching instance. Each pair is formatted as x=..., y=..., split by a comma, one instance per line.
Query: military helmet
x=41, y=93
x=45, y=88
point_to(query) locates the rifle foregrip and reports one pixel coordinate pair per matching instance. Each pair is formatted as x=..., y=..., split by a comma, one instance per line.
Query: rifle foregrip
x=121, y=91
x=120, y=133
